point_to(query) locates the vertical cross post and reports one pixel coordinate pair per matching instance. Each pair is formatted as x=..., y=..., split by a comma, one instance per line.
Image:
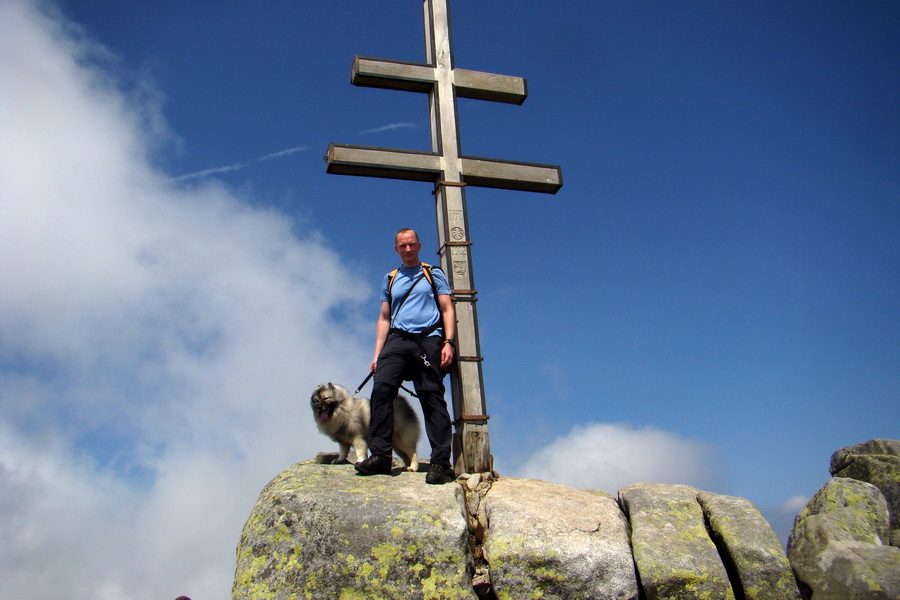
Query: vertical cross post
x=470, y=441
x=450, y=173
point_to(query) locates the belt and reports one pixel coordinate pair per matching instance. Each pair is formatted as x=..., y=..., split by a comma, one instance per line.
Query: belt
x=413, y=336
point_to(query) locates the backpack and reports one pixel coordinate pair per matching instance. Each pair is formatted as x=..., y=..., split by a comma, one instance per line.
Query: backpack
x=426, y=271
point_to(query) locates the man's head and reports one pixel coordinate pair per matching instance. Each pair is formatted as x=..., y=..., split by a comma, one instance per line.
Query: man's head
x=407, y=245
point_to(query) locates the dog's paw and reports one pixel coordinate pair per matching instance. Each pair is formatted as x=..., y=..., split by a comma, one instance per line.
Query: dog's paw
x=327, y=458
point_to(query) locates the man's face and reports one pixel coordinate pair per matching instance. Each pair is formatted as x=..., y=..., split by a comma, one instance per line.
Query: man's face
x=408, y=247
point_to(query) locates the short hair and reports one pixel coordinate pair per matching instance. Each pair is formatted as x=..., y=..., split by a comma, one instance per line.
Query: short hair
x=405, y=230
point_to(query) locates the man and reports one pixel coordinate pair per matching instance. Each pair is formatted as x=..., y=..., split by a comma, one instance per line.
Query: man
x=414, y=340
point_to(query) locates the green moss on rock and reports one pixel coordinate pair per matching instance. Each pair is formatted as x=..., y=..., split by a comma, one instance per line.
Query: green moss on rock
x=304, y=538
x=675, y=557
x=837, y=546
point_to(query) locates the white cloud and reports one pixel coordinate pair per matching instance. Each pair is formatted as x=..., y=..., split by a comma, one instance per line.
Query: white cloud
x=157, y=343
x=608, y=457
x=781, y=518
x=794, y=504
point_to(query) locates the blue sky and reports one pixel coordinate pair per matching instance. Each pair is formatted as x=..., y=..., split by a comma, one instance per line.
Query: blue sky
x=710, y=299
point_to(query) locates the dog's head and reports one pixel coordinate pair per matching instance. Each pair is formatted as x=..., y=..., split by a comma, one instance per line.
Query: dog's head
x=324, y=401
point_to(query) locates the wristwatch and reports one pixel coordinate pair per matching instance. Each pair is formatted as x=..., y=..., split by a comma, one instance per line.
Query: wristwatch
x=451, y=342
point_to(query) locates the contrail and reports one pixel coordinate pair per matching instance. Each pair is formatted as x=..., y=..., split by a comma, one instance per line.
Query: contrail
x=389, y=128
x=281, y=153
x=238, y=166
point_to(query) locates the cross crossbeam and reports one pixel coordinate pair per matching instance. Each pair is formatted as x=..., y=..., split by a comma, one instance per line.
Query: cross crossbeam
x=450, y=172
x=344, y=159
x=419, y=77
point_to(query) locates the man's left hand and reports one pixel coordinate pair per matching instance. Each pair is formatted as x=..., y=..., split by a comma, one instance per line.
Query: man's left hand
x=446, y=356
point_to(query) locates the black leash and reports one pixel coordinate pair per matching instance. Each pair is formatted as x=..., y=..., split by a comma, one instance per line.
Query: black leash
x=365, y=381
x=369, y=376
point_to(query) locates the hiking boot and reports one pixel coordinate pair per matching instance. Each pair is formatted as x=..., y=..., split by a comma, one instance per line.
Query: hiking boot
x=438, y=474
x=377, y=464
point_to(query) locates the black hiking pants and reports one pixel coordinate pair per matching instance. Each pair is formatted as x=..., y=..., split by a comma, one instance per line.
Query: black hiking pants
x=401, y=360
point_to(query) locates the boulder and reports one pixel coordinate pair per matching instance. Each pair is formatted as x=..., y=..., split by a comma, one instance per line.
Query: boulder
x=320, y=531
x=749, y=548
x=837, y=546
x=551, y=541
x=876, y=462
x=675, y=557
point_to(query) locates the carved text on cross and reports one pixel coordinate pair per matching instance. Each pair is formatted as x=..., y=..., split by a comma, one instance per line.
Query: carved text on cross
x=451, y=172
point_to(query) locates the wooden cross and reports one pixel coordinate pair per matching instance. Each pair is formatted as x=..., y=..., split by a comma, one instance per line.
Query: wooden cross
x=450, y=172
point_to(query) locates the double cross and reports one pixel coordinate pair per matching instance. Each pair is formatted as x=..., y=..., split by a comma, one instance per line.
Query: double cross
x=450, y=172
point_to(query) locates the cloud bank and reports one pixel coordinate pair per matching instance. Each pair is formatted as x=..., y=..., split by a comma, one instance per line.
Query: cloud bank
x=157, y=342
x=607, y=457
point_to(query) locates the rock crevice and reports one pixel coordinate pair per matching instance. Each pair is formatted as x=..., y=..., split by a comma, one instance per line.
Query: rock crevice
x=475, y=487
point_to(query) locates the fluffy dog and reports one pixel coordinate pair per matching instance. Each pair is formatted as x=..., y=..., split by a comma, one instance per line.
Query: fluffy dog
x=345, y=419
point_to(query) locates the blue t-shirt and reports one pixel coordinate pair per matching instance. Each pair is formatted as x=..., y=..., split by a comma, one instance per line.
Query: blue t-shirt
x=419, y=311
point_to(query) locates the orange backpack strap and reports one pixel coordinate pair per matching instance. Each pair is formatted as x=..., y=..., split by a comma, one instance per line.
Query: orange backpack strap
x=391, y=276
x=426, y=271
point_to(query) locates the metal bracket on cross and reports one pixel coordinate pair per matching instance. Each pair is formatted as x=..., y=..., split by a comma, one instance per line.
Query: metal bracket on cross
x=450, y=172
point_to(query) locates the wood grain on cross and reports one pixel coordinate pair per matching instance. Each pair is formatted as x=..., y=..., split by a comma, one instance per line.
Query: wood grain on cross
x=450, y=172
